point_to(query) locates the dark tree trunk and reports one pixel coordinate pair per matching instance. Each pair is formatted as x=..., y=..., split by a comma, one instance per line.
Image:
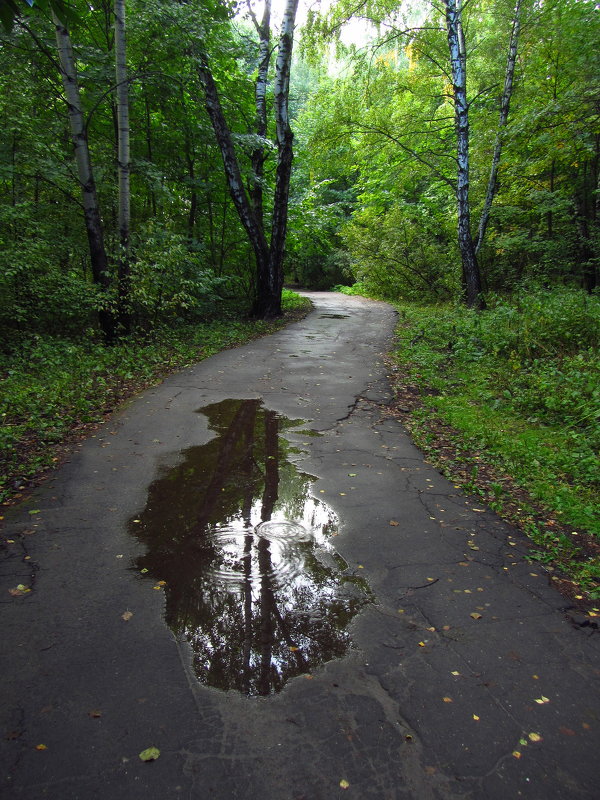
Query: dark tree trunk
x=268, y=258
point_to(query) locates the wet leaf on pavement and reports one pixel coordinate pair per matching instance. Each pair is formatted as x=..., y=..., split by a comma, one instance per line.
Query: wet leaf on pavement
x=150, y=754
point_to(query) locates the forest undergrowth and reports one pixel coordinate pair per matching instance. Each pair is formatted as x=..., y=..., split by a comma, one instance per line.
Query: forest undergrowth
x=506, y=403
x=55, y=390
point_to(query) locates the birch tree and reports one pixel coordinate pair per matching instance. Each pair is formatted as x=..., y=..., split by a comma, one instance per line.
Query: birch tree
x=458, y=67
x=79, y=136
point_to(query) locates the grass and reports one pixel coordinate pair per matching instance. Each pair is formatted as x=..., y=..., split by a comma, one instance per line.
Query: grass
x=55, y=389
x=507, y=403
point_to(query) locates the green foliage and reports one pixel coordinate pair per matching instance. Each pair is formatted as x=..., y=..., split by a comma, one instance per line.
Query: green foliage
x=522, y=382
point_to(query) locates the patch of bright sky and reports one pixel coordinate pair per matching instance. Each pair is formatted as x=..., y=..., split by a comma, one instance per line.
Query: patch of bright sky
x=356, y=31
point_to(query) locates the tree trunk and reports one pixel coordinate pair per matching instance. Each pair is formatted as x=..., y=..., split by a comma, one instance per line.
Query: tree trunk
x=504, y=108
x=458, y=61
x=269, y=285
x=123, y=159
x=92, y=219
x=269, y=259
x=263, y=30
x=235, y=183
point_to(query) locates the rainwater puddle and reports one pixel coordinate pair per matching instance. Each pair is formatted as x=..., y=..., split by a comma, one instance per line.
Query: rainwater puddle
x=252, y=580
x=334, y=316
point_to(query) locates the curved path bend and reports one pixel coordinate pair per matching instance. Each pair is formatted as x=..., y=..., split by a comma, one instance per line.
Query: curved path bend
x=465, y=679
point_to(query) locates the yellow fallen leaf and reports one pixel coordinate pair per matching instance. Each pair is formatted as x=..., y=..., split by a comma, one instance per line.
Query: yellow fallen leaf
x=516, y=754
x=475, y=717
x=541, y=700
x=475, y=615
x=344, y=783
x=127, y=615
x=394, y=523
x=41, y=747
x=447, y=699
x=162, y=583
x=149, y=754
x=535, y=737
x=455, y=672
x=293, y=648
x=421, y=644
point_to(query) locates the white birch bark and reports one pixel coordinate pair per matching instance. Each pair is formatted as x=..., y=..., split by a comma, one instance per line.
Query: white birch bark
x=458, y=63
x=79, y=137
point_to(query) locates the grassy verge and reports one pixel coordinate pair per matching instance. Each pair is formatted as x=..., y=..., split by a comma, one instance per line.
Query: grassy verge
x=54, y=391
x=507, y=404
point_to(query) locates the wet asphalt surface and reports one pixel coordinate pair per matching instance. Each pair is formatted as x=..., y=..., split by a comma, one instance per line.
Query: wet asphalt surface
x=466, y=678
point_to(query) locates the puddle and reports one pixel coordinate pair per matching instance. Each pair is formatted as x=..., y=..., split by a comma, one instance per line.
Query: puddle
x=334, y=316
x=252, y=579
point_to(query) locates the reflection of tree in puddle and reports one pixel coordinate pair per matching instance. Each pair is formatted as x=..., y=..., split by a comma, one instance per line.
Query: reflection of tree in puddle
x=251, y=578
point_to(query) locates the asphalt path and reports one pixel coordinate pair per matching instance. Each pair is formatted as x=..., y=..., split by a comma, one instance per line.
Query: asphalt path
x=466, y=678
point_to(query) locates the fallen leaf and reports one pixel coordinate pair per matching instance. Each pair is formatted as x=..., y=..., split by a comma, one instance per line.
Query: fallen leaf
x=421, y=644
x=475, y=717
x=352, y=474
x=41, y=747
x=35, y=511
x=455, y=672
x=162, y=583
x=150, y=754
x=447, y=699
x=475, y=615
x=95, y=714
x=535, y=737
x=344, y=783
x=516, y=754
x=127, y=615
x=143, y=571
x=293, y=648
x=567, y=731
x=394, y=523
x=541, y=700
x=523, y=742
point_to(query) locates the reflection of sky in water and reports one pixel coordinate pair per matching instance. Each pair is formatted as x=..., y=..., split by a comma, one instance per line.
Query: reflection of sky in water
x=252, y=580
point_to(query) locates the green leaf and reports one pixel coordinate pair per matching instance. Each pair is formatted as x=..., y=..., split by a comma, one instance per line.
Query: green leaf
x=150, y=754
